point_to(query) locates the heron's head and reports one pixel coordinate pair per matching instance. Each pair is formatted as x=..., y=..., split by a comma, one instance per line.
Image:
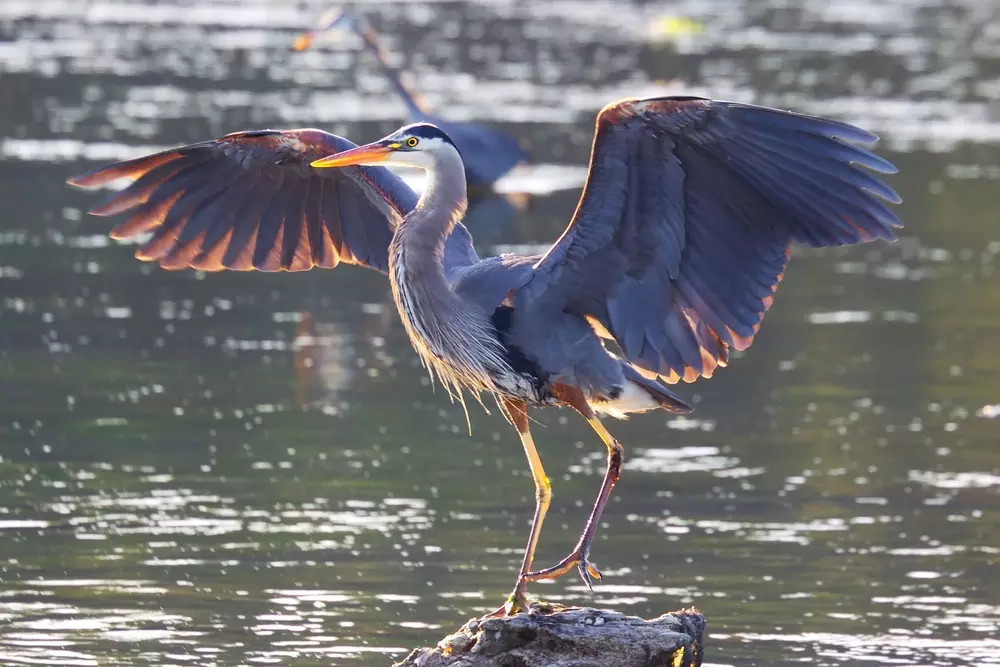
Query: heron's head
x=421, y=145
x=332, y=19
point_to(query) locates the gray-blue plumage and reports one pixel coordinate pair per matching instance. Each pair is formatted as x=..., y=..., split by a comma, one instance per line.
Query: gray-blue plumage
x=486, y=283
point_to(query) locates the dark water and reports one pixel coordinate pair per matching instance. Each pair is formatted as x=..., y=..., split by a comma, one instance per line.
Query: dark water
x=250, y=469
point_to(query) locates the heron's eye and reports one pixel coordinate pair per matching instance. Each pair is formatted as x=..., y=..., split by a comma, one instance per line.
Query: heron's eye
x=412, y=141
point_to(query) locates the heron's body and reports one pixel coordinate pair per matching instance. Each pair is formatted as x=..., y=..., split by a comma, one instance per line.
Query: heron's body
x=677, y=246
x=484, y=345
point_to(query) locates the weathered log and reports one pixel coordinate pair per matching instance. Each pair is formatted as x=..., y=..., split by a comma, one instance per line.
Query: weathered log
x=555, y=636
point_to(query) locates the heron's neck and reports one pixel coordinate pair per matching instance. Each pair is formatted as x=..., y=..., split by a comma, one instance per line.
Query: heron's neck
x=455, y=340
x=421, y=235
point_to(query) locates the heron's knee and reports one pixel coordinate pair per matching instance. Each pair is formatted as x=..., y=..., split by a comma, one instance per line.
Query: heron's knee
x=543, y=491
x=616, y=455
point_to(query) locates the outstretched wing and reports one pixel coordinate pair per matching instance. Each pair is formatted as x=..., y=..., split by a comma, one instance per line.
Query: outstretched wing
x=683, y=230
x=250, y=201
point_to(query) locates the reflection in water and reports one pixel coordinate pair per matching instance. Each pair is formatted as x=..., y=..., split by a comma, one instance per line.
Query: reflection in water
x=246, y=469
x=324, y=358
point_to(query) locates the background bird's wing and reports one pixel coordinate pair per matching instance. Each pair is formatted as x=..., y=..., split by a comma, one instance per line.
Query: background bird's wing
x=250, y=201
x=683, y=229
x=488, y=153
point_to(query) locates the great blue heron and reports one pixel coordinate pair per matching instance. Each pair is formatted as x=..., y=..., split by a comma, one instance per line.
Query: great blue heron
x=680, y=238
x=488, y=153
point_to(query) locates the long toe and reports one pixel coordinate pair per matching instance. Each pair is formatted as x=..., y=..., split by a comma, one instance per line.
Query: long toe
x=499, y=612
x=578, y=559
x=589, y=572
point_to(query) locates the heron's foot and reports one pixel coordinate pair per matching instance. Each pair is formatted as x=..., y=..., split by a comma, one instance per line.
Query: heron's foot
x=516, y=602
x=580, y=559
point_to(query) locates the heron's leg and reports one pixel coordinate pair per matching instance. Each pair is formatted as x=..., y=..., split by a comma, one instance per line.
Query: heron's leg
x=581, y=553
x=517, y=411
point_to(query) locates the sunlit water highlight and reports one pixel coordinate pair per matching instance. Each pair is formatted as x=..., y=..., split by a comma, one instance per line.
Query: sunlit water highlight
x=251, y=469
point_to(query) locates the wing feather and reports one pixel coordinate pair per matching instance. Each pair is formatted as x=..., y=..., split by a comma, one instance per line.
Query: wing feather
x=220, y=227
x=243, y=239
x=191, y=236
x=269, y=232
x=251, y=200
x=684, y=227
x=216, y=203
x=322, y=251
x=294, y=213
x=128, y=169
x=166, y=234
x=210, y=259
x=331, y=219
x=139, y=192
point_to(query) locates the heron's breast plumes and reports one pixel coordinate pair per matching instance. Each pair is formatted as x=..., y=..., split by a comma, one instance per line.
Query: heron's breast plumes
x=454, y=341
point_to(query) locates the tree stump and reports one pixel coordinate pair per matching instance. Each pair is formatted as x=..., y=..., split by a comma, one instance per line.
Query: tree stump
x=555, y=636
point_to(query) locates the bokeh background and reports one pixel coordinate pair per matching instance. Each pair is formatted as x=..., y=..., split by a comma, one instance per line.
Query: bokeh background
x=250, y=469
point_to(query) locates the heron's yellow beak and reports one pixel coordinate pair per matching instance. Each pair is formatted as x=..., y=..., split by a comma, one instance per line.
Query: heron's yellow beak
x=363, y=155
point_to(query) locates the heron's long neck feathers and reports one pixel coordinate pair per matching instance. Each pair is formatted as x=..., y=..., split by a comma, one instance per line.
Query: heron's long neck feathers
x=455, y=340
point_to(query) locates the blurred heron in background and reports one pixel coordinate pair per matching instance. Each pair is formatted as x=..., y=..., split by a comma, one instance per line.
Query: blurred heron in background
x=488, y=153
x=679, y=240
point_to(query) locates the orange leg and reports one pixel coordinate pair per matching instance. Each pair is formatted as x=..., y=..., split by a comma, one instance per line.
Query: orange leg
x=517, y=412
x=581, y=553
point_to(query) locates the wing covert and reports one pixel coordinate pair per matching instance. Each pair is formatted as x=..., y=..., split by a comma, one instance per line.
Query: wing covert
x=684, y=227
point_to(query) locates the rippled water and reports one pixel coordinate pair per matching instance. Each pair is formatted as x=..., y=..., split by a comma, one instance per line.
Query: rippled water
x=251, y=469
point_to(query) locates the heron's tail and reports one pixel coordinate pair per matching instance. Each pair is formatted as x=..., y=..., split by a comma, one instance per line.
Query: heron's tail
x=640, y=394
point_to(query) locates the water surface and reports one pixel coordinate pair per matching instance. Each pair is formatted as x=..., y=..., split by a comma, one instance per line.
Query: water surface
x=252, y=469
